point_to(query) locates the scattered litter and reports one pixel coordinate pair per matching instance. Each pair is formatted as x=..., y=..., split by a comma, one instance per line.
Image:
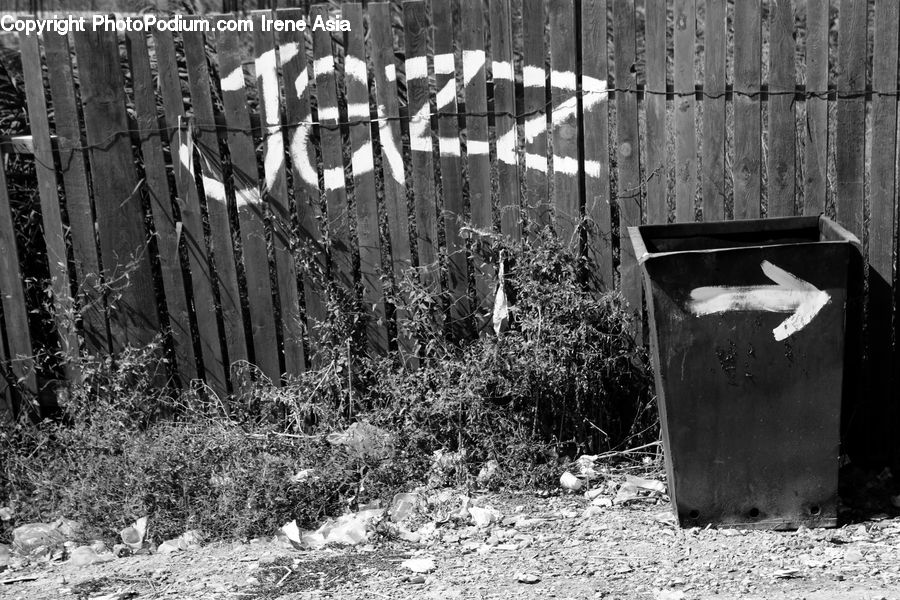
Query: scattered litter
x=585, y=465
x=402, y=506
x=595, y=493
x=786, y=573
x=488, y=472
x=85, y=555
x=416, y=579
x=304, y=475
x=527, y=578
x=482, y=517
x=44, y=538
x=569, y=482
x=365, y=440
x=419, y=565
x=6, y=513
x=133, y=536
x=668, y=595
x=190, y=540
x=19, y=579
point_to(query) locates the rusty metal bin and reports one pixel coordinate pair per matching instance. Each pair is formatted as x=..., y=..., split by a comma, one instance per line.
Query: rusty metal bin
x=747, y=323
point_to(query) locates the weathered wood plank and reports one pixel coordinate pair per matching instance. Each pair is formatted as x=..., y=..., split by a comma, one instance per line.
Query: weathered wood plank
x=882, y=224
x=595, y=131
x=304, y=174
x=685, y=110
x=477, y=139
x=566, y=193
x=451, y=167
x=385, y=79
x=156, y=186
x=713, y=143
x=51, y=215
x=782, y=149
x=851, y=117
x=79, y=208
x=15, y=312
x=815, y=134
x=338, y=217
x=655, y=105
x=356, y=80
x=415, y=28
x=747, y=149
x=250, y=206
x=275, y=194
x=126, y=264
x=181, y=144
x=628, y=193
x=221, y=246
x=504, y=119
x=534, y=79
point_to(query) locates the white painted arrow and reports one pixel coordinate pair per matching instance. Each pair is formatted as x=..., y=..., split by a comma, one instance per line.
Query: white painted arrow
x=790, y=295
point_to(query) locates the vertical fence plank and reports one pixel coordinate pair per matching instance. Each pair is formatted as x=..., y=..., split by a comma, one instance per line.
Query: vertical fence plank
x=356, y=78
x=15, y=313
x=851, y=116
x=628, y=194
x=276, y=194
x=595, y=131
x=305, y=178
x=782, y=122
x=815, y=134
x=206, y=144
x=415, y=27
x=477, y=144
x=655, y=103
x=713, y=143
x=51, y=216
x=78, y=197
x=685, y=117
x=882, y=367
x=451, y=166
x=382, y=44
x=123, y=252
x=181, y=145
x=249, y=204
x=566, y=198
x=504, y=119
x=747, y=151
x=156, y=185
x=338, y=217
x=7, y=408
x=534, y=79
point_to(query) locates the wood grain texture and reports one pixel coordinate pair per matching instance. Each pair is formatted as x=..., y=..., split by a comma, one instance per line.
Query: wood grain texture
x=537, y=185
x=304, y=174
x=595, y=131
x=628, y=193
x=454, y=206
x=79, y=208
x=815, y=134
x=365, y=199
x=188, y=199
x=275, y=195
x=221, y=245
x=685, y=33
x=126, y=265
x=712, y=179
x=15, y=312
x=566, y=191
x=504, y=120
x=655, y=106
x=51, y=216
x=851, y=117
x=477, y=140
x=159, y=196
x=747, y=123
x=781, y=167
x=250, y=208
x=382, y=55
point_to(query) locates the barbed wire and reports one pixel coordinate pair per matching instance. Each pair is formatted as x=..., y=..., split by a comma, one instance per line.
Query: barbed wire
x=265, y=130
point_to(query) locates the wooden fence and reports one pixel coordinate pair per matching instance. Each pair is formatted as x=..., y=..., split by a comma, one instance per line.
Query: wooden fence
x=377, y=144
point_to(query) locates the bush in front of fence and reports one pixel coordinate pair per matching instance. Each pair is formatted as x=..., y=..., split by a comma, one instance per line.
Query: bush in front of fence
x=565, y=378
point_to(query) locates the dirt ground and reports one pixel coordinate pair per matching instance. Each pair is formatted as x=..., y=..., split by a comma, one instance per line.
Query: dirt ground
x=542, y=547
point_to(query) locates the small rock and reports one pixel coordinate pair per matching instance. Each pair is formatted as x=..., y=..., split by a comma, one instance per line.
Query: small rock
x=853, y=556
x=419, y=565
x=569, y=482
x=527, y=578
x=416, y=579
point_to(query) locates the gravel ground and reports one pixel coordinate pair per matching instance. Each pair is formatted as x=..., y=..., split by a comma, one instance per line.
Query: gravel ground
x=542, y=547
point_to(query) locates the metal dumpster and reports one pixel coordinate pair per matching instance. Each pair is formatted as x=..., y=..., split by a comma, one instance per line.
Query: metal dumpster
x=747, y=324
